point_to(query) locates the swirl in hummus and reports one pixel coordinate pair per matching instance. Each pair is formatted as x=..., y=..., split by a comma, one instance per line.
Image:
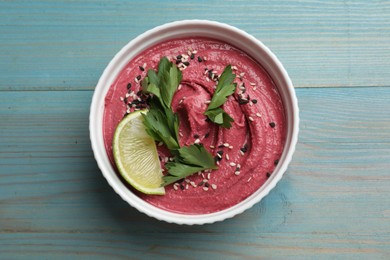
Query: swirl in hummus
x=246, y=153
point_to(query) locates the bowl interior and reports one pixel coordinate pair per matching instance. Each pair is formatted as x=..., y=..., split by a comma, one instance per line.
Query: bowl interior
x=222, y=32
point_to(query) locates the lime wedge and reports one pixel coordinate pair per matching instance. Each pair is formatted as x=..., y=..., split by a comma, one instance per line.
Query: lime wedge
x=136, y=156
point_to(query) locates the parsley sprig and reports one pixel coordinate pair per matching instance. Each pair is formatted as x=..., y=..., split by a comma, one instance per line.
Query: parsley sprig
x=162, y=124
x=225, y=88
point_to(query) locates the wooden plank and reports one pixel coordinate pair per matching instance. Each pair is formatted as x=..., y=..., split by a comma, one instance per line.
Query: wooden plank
x=61, y=45
x=333, y=201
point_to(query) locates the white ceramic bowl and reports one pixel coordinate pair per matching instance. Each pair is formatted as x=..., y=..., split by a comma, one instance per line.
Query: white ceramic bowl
x=223, y=32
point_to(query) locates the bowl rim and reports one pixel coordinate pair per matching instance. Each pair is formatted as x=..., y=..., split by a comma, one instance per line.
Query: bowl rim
x=154, y=36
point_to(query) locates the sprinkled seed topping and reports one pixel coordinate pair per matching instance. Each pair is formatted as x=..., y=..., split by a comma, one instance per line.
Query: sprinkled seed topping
x=197, y=141
x=141, y=68
x=254, y=101
x=226, y=144
x=230, y=147
x=227, y=157
x=212, y=146
x=200, y=59
x=193, y=184
x=251, y=119
x=182, y=187
x=232, y=164
x=276, y=162
x=214, y=186
x=196, y=136
x=244, y=149
x=258, y=114
x=272, y=124
x=268, y=174
x=128, y=86
x=205, y=188
x=220, y=152
x=237, y=172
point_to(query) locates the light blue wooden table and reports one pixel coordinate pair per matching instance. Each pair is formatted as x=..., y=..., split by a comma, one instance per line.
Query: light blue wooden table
x=334, y=201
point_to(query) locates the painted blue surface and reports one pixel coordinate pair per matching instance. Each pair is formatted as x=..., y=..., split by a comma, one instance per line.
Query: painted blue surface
x=333, y=202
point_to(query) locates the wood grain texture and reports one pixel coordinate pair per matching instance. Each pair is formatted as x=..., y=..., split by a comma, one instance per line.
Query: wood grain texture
x=332, y=203
x=52, y=45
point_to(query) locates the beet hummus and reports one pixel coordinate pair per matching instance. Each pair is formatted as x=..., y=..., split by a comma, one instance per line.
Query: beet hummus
x=246, y=154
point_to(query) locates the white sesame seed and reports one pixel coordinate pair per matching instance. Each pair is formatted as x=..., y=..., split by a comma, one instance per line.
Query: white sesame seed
x=197, y=140
x=250, y=178
x=179, y=87
x=171, y=159
x=227, y=157
x=205, y=180
x=181, y=134
x=258, y=114
x=199, y=172
x=252, y=84
x=175, y=187
x=208, y=176
x=136, y=108
x=128, y=110
x=204, y=177
x=237, y=172
x=241, y=87
x=251, y=118
x=250, y=103
x=207, y=79
x=205, y=188
x=193, y=184
x=136, y=80
x=226, y=144
x=187, y=186
x=214, y=186
x=187, y=180
x=212, y=146
x=144, y=65
x=127, y=95
x=189, y=52
x=166, y=159
x=181, y=101
x=185, y=56
x=217, y=162
x=220, y=156
x=194, y=51
x=207, y=102
x=204, y=58
x=230, y=147
x=254, y=88
x=121, y=98
x=232, y=164
x=242, y=74
x=239, y=165
x=242, y=153
x=234, y=67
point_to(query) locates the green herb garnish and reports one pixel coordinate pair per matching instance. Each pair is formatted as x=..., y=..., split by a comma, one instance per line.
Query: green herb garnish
x=162, y=124
x=225, y=88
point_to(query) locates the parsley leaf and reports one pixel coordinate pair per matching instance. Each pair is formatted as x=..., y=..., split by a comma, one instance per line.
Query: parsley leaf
x=225, y=88
x=162, y=124
x=188, y=160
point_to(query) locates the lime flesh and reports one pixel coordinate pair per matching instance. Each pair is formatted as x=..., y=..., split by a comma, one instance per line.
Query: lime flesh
x=136, y=156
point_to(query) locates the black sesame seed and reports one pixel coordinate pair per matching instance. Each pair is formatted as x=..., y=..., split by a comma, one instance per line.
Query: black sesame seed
x=178, y=61
x=129, y=86
x=186, y=63
x=181, y=180
x=200, y=183
x=200, y=59
x=135, y=101
x=206, y=135
x=139, y=93
x=125, y=100
x=182, y=187
x=207, y=184
x=141, y=68
x=179, y=57
x=138, y=77
x=217, y=158
x=221, y=146
x=196, y=136
x=192, y=56
x=238, y=169
x=244, y=149
x=272, y=124
x=254, y=101
x=276, y=162
x=242, y=101
x=268, y=174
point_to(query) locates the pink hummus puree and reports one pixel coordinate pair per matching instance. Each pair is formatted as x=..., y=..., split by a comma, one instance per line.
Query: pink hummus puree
x=258, y=125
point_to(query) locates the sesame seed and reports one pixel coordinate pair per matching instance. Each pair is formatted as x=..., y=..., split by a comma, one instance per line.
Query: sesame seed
x=226, y=144
x=212, y=146
x=214, y=186
x=175, y=187
x=238, y=165
x=232, y=164
x=242, y=153
x=220, y=156
x=193, y=184
x=207, y=185
x=179, y=57
x=138, y=77
x=276, y=162
x=251, y=118
x=205, y=188
x=258, y=114
x=268, y=174
x=189, y=53
x=230, y=147
x=186, y=63
x=187, y=186
x=141, y=68
x=250, y=178
x=254, y=88
x=242, y=74
x=181, y=134
x=208, y=176
x=227, y=157
x=192, y=56
x=234, y=67
x=179, y=87
x=182, y=187
x=197, y=141
x=205, y=58
x=196, y=136
x=128, y=86
x=237, y=172
x=207, y=102
x=121, y=98
x=272, y=124
x=194, y=51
